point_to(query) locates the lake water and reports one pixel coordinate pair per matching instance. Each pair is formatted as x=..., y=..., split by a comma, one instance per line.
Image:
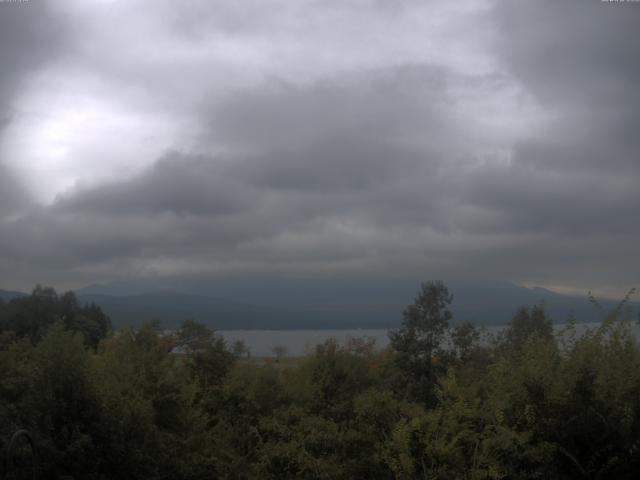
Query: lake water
x=297, y=342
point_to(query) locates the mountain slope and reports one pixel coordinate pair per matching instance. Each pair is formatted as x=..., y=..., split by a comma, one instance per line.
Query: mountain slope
x=312, y=306
x=487, y=303
x=7, y=295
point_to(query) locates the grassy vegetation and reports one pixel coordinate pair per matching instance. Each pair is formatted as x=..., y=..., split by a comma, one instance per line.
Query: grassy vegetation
x=437, y=403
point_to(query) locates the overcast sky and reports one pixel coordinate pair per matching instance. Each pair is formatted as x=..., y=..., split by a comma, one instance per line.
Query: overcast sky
x=359, y=138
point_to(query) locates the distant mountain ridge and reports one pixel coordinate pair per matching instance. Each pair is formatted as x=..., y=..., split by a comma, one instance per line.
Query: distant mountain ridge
x=291, y=307
x=170, y=308
x=7, y=295
x=490, y=303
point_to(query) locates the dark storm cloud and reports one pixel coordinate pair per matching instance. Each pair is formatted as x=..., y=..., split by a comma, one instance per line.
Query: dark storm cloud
x=29, y=34
x=404, y=168
x=580, y=60
x=529, y=200
x=12, y=197
x=397, y=101
x=298, y=200
x=219, y=205
x=312, y=155
x=328, y=176
x=175, y=183
x=573, y=51
x=376, y=144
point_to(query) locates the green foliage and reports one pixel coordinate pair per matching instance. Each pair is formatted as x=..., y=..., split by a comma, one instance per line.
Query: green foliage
x=240, y=348
x=465, y=339
x=207, y=353
x=527, y=323
x=418, y=342
x=148, y=404
x=31, y=317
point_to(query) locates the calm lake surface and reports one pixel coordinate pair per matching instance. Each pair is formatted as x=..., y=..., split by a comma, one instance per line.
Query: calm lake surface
x=297, y=342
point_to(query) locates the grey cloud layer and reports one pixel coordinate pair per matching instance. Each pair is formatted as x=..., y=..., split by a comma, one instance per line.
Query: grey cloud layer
x=580, y=60
x=29, y=35
x=392, y=169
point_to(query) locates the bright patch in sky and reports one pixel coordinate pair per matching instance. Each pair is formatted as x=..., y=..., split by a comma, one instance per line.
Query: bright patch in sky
x=74, y=128
x=64, y=139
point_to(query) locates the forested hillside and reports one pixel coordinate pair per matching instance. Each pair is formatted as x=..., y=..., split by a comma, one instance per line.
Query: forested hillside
x=441, y=402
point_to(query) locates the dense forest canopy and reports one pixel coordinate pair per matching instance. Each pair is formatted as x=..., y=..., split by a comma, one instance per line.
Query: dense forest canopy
x=440, y=402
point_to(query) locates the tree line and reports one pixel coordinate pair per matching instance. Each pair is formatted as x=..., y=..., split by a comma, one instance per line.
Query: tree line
x=442, y=401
